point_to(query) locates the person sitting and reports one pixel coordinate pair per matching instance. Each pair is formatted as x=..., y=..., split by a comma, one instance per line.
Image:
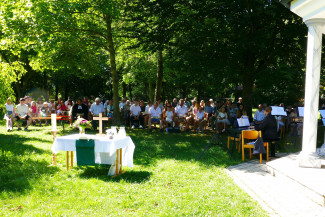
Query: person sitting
x=199, y=120
x=269, y=129
x=61, y=108
x=222, y=120
x=79, y=109
x=193, y=109
x=169, y=114
x=33, y=111
x=181, y=114
x=96, y=108
x=126, y=112
x=232, y=114
x=135, y=115
x=209, y=111
x=9, y=114
x=187, y=103
x=259, y=115
x=52, y=106
x=155, y=116
x=44, y=112
x=146, y=114
x=174, y=103
x=23, y=114
x=241, y=112
x=110, y=108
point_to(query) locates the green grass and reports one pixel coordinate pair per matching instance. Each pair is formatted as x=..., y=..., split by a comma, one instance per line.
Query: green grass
x=167, y=179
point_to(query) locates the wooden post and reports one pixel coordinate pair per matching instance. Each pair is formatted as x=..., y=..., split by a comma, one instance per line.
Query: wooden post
x=67, y=160
x=117, y=162
x=54, y=155
x=121, y=160
x=71, y=159
x=100, y=118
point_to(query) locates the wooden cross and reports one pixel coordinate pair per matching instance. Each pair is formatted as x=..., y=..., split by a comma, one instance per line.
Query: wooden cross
x=100, y=118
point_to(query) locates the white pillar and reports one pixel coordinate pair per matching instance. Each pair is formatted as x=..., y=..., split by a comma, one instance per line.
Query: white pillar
x=308, y=156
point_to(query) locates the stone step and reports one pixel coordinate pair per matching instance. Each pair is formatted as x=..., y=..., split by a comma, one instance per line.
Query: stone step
x=311, y=180
x=278, y=195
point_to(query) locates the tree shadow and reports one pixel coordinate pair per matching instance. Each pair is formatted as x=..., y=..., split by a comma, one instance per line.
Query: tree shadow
x=17, y=144
x=18, y=173
x=101, y=171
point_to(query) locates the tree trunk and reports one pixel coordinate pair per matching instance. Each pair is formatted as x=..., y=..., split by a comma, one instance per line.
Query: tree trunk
x=248, y=83
x=130, y=92
x=124, y=89
x=114, y=72
x=151, y=91
x=160, y=73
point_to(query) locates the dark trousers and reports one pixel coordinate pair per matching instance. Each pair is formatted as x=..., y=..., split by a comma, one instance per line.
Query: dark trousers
x=139, y=120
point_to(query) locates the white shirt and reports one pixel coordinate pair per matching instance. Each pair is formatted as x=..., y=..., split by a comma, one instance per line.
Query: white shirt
x=22, y=110
x=222, y=115
x=147, y=108
x=135, y=110
x=181, y=110
x=155, y=112
x=121, y=105
x=96, y=109
x=169, y=115
x=200, y=115
x=9, y=108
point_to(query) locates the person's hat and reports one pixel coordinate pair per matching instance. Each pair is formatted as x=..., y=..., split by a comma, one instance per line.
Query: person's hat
x=45, y=103
x=22, y=99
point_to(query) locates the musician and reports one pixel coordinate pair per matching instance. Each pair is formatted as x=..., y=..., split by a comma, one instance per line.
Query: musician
x=269, y=129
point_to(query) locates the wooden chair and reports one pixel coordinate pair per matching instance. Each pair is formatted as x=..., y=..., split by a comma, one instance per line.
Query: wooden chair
x=237, y=141
x=252, y=135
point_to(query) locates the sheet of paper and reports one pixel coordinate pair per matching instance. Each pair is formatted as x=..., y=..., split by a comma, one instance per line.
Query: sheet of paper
x=279, y=111
x=243, y=122
x=323, y=121
x=301, y=111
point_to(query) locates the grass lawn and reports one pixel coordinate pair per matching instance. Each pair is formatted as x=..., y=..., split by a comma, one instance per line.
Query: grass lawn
x=167, y=179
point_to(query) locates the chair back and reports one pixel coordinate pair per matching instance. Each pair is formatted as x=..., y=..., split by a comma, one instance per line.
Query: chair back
x=250, y=134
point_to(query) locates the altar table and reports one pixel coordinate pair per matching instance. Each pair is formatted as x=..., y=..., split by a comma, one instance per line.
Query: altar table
x=107, y=151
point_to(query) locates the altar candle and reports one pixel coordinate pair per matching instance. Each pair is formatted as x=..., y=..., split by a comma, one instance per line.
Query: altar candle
x=53, y=122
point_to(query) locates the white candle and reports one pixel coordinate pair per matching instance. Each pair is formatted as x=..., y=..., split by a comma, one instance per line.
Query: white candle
x=53, y=122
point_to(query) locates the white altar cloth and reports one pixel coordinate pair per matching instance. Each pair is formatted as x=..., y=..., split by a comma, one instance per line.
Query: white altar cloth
x=105, y=148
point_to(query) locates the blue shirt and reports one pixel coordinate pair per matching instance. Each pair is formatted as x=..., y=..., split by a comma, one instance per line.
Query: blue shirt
x=209, y=109
x=96, y=109
x=259, y=115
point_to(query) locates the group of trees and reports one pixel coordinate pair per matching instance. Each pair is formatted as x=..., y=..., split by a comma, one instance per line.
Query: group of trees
x=152, y=49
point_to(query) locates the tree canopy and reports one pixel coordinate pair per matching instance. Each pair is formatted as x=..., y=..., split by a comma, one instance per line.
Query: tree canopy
x=152, y=49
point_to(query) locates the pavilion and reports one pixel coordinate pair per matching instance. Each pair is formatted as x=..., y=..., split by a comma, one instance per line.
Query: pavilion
x=313, y=14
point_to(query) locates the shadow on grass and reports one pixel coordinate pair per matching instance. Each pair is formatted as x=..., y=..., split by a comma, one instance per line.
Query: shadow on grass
x=17, y=144
x=100, y=172
x=18, y=173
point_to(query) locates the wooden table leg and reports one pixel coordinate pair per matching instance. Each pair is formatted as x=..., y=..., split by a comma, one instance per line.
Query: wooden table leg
x=71, y=159
x=117, y=162
x=67, y=160
x=121, y=160
x=54, y=159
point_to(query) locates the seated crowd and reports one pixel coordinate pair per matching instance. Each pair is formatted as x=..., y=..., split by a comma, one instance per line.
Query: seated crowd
x=183, y=114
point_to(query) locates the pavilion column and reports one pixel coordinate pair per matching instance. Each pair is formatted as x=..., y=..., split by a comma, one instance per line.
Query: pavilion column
x=308, y=156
